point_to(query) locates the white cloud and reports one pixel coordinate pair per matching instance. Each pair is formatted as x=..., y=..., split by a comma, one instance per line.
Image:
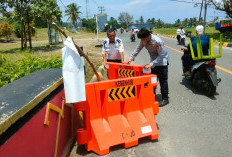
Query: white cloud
x=137, y=2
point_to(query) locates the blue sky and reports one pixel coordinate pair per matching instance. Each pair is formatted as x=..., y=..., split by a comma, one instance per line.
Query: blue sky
x=166, y=10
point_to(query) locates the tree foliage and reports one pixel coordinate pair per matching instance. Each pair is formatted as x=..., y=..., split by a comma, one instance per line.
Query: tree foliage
x=223, y=5
x=73, y=12
x=5, y=30
x=112, y=23
x=141, y=19
x=125, y=18
x=25, y=13
x=90, y=24
x=45, y=11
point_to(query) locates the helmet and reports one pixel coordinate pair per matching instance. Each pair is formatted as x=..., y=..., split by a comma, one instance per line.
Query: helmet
x=200, y=28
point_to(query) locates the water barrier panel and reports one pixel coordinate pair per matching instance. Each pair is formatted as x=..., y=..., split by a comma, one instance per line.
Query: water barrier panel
x=119, y=70
x=118, y=112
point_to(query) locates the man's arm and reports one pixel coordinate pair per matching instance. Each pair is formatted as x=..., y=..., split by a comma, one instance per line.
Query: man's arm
x=104, y=52
x=122, y=57
x=121, y=51
x=136, y=52
x=104, y=57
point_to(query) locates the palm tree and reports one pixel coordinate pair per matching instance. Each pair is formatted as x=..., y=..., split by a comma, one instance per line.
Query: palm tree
x=73, y=13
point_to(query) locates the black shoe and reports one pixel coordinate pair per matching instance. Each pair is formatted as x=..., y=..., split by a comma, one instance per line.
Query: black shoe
x=165, y=101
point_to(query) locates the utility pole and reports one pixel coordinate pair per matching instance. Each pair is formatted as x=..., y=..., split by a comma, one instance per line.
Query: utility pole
x=205, y=15
x=199, y=21
x=101, y=9
x=97, y=25
x=87, y=9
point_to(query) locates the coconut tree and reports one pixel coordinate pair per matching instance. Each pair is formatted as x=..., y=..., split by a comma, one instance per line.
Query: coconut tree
x=73, y=12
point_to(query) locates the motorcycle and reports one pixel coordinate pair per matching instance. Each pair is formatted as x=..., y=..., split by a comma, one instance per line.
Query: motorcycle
x=181, y=39
x=122, y=30
x=204, y=76
x=132, y=36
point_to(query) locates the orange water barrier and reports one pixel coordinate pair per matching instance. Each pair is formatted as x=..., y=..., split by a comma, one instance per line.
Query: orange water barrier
x=119, y=70
x=118, y=112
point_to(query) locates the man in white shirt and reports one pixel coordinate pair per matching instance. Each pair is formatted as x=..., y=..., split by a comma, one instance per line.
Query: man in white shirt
x=180, y=31
x=113, y=50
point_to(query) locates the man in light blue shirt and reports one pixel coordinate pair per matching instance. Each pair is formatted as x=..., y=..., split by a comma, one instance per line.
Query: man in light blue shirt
x=159, y=60
x=113, y=50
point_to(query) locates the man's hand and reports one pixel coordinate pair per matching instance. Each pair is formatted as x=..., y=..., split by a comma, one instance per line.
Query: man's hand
x=148, y=66
x=128, y=61
x=184, y=48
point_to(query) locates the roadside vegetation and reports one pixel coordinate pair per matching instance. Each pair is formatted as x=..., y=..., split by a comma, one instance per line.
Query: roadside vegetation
x=26, y=47
x=16, y=63
x=210, y=31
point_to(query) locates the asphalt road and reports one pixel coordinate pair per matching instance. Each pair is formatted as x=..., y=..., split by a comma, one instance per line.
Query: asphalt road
x=192, y=124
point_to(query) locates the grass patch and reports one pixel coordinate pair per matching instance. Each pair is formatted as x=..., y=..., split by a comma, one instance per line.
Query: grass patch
x=210, y=31
x=16, y=63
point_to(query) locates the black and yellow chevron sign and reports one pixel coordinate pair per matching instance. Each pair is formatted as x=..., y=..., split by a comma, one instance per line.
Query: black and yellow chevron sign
x=121, y=93
x=126, y=73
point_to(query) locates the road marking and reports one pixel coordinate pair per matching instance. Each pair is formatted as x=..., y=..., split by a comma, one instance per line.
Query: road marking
x=228, y=71
x=221, y=68
x=174, y=49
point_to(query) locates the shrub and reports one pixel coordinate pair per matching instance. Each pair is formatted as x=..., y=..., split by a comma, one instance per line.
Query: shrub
x=10, y=72
x=6, y=30
x=17, y=30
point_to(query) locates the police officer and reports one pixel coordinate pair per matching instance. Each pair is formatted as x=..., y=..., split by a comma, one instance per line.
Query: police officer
x=113, y=50
x=158, y=60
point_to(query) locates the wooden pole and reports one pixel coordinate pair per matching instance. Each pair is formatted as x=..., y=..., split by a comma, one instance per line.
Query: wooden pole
x=79, y=50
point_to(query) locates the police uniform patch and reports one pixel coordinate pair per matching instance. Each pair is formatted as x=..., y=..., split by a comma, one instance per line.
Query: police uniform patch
x=118, y=40
x=104, y=43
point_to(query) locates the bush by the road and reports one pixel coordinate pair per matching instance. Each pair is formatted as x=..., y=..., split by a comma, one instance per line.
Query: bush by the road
x=10, y=72
x=227, y=36
x=5, y=30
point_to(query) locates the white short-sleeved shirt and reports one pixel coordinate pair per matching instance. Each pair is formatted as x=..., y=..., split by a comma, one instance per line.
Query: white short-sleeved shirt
x=180, y=31
x=112, y=50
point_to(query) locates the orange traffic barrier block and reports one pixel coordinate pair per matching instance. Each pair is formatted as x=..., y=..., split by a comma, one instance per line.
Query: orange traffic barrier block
x=118, y=112
x=119, y=70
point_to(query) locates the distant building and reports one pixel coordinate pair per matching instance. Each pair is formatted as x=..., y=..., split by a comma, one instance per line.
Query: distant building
x=102, y=21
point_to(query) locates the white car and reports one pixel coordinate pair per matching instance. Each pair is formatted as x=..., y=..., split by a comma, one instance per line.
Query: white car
x=136, y=30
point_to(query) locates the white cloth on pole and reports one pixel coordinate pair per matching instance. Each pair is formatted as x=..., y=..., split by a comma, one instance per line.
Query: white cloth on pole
x=73, y=73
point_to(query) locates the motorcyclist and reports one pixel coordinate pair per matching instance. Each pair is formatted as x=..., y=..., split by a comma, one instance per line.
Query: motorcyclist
x=187, y=57
x=132, y=33
x=180, y=31
x=121, y=30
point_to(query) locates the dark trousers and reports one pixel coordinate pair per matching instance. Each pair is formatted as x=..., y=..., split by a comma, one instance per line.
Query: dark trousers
x=116, y=61
x=187, y=61
x=162, y=76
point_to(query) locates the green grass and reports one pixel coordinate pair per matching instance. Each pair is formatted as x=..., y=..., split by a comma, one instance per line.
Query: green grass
x=16, y=63
x=210, y=31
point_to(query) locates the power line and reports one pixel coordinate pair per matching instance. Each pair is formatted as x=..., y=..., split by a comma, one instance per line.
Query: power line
x=184, y=1
x=63, y=4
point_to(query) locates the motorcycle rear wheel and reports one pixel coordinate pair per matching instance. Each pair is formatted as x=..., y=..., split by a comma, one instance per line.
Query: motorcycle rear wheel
x=211, y=89
x=182, y=42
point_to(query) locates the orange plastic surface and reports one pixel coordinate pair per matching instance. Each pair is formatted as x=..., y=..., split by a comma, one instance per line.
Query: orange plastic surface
x=119, y=70
x=118, y=112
